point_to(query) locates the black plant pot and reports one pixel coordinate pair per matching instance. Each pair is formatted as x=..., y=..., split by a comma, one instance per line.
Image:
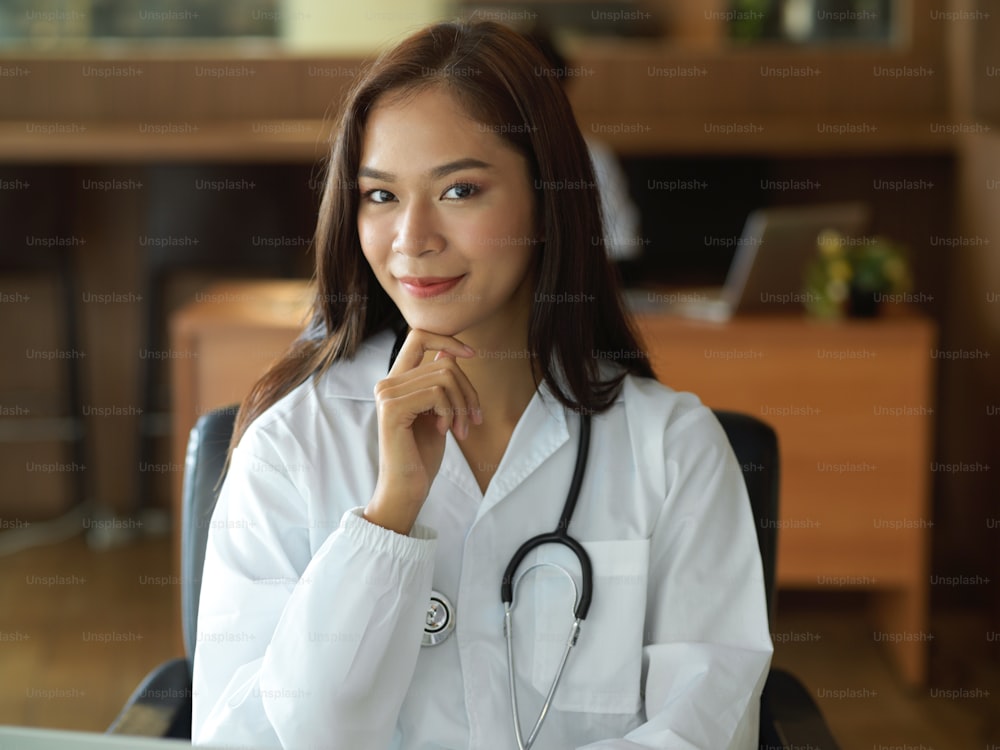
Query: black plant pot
x=863, y=303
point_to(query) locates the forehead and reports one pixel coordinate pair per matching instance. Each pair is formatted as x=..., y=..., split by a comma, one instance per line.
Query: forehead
x=413, y=130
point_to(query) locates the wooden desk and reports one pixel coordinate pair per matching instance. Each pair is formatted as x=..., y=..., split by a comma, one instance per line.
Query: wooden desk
x=221, y=343
x=851, y=403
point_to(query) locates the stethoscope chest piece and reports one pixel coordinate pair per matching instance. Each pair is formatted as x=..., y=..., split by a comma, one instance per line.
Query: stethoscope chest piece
x=440, y=621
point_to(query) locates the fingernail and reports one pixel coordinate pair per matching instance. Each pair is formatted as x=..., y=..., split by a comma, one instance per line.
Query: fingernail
x=477, y=414
x=469, y=349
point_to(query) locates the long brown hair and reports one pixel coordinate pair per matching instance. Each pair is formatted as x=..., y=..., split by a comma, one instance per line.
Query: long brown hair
x=504, y=82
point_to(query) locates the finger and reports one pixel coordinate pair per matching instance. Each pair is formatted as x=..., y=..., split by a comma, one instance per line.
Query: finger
x=402, y=411
x=450, y=378
x=473, y=413
x=441, y=407
x=460, y=423
x=418, y=342
x=471, y=408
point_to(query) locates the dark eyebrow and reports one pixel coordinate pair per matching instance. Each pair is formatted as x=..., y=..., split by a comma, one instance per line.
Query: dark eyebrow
x=437, y=172
x=459, y=164
x=375, y=174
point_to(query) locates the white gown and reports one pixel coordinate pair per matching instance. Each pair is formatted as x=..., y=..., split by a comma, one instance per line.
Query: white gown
x=311, y=618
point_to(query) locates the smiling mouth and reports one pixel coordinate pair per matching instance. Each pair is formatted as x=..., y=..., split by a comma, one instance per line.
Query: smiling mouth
x=429, y=286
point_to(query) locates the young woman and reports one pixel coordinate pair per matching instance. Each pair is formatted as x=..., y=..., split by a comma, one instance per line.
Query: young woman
x=467, y=338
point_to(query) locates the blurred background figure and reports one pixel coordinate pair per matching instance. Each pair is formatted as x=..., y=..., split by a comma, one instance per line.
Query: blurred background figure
x=621, y=217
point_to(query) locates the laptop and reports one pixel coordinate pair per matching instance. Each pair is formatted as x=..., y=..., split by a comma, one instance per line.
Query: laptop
x=33, y=738
x=768, y=270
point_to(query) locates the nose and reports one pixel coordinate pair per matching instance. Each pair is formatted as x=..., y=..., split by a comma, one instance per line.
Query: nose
x=418, y=231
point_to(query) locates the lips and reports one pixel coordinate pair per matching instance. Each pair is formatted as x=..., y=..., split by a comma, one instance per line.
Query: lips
x=429, y=286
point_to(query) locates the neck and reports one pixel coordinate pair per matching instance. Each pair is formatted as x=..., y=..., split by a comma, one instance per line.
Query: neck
x=502, y=375
x=503, y=372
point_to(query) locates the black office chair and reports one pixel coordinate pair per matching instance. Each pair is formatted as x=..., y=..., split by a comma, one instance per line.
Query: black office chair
x=161, y=705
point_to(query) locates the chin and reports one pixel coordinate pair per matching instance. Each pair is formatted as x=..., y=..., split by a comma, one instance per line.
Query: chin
x=439, y=324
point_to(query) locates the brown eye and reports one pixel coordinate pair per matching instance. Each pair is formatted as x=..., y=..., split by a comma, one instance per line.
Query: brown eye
x=460, y=191
x=378, y=195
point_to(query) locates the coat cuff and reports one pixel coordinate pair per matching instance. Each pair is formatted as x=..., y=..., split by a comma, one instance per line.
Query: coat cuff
x=418, y=546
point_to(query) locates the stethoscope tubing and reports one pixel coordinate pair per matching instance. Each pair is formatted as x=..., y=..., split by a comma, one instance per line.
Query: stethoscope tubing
x=515, y=712
x=582, y=605
x=508, y=584
x=561, y=534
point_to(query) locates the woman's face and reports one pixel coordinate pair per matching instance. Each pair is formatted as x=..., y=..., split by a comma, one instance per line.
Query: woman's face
x=446, y=217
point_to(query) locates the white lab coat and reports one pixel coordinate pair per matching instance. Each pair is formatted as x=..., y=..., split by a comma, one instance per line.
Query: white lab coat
x=311, y=618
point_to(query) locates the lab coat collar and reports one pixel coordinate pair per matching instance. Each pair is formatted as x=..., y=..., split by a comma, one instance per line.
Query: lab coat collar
x=542, y=429
x=370, y=365
x=540, y=432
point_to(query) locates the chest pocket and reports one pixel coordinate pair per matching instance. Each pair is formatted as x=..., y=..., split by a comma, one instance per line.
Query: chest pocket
x=604, y=669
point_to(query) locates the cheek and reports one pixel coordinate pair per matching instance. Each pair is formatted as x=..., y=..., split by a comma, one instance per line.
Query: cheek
x=371, y=246
x=499, y=235
x=504, y=261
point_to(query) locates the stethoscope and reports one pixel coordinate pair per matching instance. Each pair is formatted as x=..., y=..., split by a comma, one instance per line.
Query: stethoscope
x=440, y=620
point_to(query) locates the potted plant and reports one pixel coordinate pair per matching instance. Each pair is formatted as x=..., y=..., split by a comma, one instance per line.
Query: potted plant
x=850, y=276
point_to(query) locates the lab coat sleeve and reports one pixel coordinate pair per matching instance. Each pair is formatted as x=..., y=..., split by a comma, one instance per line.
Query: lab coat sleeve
x=708, y=648
x=297, y=650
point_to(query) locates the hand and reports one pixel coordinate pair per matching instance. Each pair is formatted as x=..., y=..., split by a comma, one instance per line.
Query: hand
x=417, y=403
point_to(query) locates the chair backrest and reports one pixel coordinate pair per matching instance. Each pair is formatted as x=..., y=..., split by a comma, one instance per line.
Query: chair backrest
x=754, y=443
x=206, y=457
